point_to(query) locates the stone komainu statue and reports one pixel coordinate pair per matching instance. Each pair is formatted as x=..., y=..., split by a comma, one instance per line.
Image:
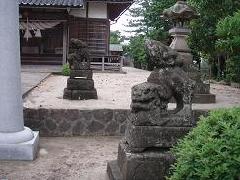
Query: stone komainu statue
x=80, y=85
x=167, y=81
x=151, y=128
x=78, y=58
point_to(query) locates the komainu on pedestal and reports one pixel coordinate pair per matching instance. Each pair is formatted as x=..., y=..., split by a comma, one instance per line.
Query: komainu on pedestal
x=80, y=85
x=152, y=128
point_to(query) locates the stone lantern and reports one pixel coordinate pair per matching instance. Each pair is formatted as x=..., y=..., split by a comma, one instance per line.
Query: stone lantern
x=181, y=14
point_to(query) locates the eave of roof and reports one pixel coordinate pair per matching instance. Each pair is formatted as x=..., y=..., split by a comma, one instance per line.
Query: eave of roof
x=54, y=3
x=112, y=1
x=65, y=3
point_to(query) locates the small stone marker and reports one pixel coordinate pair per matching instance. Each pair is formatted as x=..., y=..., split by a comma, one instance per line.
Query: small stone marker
x=80, y=85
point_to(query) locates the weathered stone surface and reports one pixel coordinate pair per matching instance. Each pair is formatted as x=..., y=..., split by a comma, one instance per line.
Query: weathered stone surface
x=152, y=129
x=50, y=124
x=36, y=118
x=88, y=74
x=70, y=115
x=113, y=171
x=183, y=118
x=121, y=115
x=201, y=88
x=204, y=98
x=78, y=129
x=67, y=94
x=150, y=165
x=112, y=127
x=87, y=115
x=79, y=55
x=84, y=94
x=143, y=137
x=198, y=113
x=104, y=115
x=123, y=128
x=95, y=127
x=64, y=126
x=80, y=84
x=180, y=12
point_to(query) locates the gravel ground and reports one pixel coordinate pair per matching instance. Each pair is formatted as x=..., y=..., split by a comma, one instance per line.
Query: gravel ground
x=113, y=89
x=114, y=92
x=75, y=158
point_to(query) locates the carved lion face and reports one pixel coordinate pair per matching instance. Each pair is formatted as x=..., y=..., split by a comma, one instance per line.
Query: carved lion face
x=145, y=97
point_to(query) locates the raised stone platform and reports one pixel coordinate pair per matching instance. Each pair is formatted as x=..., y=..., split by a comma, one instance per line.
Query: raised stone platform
x=202, y=94
x=47, y=111
x=204, y=98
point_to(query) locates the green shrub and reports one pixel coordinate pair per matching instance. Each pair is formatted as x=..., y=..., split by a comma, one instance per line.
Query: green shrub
x=66, y=70
x=211, y=150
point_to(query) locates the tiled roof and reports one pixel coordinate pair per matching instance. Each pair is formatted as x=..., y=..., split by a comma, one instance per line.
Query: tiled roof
x=113, y=1
x=68, y=3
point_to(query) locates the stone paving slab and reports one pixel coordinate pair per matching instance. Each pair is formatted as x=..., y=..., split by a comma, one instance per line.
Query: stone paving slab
x=75, y=158
x=31, y=79
x=114, y=92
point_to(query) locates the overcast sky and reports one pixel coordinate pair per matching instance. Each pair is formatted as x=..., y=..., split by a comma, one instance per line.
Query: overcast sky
x=121, y=24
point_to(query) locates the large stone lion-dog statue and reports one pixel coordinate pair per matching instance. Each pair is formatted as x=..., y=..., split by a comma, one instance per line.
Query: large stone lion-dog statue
x=167, y=81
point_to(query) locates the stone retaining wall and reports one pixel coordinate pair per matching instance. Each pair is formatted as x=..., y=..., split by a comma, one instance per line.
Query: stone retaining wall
x=72, y=122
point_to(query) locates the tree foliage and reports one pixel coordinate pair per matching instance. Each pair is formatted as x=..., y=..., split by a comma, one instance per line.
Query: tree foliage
x=228, y=32
x=147, y=23
x=116, y=37
x=158, y=27
x=138, y=23
x=203, y=37
x=137, y=50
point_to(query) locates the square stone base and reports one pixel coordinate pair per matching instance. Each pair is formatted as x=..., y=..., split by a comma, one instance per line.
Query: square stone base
x=140, y=138
x=148, y=165
x=26, y=151
x=204, y=98
x=80, y=94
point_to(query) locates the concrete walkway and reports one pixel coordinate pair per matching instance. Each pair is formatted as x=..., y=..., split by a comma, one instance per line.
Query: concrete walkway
x=30, y=80
x=33, y=75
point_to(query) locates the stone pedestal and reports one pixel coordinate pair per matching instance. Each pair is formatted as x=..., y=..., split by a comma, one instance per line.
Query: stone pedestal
x=147, y=165
x=80, y=86
x=179, y=43
x=144, y=152
x=202, y=93
x=16, y=141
